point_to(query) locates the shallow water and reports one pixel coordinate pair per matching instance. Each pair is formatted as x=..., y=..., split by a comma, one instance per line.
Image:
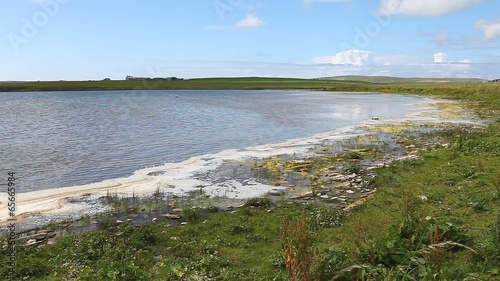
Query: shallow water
x=59, y=139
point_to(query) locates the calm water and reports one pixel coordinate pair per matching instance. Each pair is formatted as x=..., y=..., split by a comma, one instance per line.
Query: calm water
x=57, y=139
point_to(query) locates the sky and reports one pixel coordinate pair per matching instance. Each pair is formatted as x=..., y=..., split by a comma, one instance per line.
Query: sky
x=96, y=39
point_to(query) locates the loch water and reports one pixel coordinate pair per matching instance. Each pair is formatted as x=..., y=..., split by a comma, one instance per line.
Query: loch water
x=60, y=139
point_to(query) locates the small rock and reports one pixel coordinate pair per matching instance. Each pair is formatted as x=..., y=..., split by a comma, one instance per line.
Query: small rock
x=177, y=210
x=66, y=224
x=324, y=197
x=119, y=221
x=156, y=173
x=31, y=242
x=422, y=197
x=154, y=219
x=343, y=185
x=307, y=194
x=349, y=191
x=172, y=216
x=276, y=192
x=39, y=236
x=184, y=223
x=339, y=178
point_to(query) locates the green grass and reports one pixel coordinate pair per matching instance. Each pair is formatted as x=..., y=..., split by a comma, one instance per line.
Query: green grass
x=394, y=235
x=353, y=83
x=388, y=79
x=230, y=246
x=208, y=83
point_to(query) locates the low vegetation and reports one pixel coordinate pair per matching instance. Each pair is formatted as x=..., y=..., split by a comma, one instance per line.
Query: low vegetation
x=347, y=83
x=436, y=217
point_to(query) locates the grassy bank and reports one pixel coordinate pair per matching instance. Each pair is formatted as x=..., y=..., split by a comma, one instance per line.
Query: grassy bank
x=353, y=83
x=207, y=83
x=433, y=218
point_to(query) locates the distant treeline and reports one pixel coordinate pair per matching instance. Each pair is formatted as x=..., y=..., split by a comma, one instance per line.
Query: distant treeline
x=132, y=78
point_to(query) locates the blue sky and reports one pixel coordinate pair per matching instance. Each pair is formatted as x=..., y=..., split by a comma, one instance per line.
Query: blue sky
x=90, y=39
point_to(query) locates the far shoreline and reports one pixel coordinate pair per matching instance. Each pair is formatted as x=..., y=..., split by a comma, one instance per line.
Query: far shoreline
x=351, y=84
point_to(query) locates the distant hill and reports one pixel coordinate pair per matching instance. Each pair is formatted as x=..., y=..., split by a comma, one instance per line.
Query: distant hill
x=413, y=80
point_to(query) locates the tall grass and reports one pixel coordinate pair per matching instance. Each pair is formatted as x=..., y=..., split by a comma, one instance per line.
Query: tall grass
x=298, y=242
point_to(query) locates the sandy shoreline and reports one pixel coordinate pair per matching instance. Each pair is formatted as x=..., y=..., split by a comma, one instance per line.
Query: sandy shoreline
x=181, y=178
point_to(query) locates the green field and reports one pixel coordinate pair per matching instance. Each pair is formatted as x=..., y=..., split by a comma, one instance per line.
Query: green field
x=209, y=83
x=344, y=83
x=454, y=234
x=414, y=80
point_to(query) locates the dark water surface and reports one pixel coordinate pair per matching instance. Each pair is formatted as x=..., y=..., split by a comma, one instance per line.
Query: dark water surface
x=58, y=139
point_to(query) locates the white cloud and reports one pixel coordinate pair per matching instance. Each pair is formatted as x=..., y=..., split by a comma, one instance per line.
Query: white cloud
x=440, y=57
x=365, y=59
x=249, y=22
x=490, y=29
x=424, y=7
x=348, y=57
x=444, y=58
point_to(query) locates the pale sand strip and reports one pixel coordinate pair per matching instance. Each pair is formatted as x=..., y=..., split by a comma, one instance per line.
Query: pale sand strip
x=57, y=201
